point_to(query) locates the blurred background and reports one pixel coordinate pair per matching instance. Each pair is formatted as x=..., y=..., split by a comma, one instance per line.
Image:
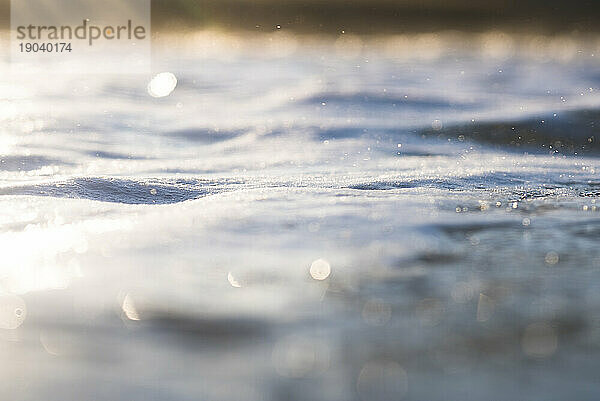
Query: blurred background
x=309, y=200
x=373, y=16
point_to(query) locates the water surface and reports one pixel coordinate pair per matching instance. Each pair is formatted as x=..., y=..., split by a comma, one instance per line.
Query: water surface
x=362, y=219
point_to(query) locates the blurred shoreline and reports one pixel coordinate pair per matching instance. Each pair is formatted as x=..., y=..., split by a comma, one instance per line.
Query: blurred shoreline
x=370, y=17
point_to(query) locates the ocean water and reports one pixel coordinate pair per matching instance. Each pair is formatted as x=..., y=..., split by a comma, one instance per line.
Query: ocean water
x=306, y=219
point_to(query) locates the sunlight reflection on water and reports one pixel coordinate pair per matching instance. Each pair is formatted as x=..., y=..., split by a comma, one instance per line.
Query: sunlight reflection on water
x=302, y=217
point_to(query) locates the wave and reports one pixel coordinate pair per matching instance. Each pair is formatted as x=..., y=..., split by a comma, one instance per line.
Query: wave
x=372, y=99
x=483, y=181
x=27, y=163
x=574, y=132
x=119, y=190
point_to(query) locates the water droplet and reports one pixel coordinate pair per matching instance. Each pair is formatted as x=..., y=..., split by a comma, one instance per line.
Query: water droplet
x=297, y=357
x=462, y=292
x=376, y=312
x=13, y=311
x=320, y=269
x=162, y=84
x=437, y=125
x=232, y=281
x=130, y=309
x=551, y=258
x=485, y=308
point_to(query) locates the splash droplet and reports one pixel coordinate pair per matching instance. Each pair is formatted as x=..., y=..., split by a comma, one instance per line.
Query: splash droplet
x=551, y=258
x=162, y=84
x=129, y=309
x=232, y=281
x=320, y=269
x=12, y=311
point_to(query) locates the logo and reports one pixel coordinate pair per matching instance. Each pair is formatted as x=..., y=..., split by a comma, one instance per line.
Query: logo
x=80, y=36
